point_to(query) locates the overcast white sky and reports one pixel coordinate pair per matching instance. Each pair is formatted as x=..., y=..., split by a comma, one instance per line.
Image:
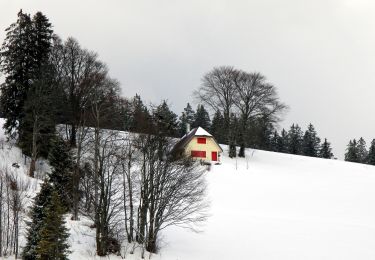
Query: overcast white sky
x=319, y=54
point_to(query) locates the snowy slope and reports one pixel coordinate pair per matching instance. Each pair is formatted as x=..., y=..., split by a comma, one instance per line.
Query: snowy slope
x=274, y=206
x=284, y=207
x=265, y=207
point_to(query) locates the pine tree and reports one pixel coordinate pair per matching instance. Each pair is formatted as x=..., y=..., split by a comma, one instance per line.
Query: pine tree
x=37, y=216
x=362, y=150
x=53, y=233
x=371, y=154
x=24, y=53
x=282, y=143
x=165, y=120
x=311, y=142
x=295, y=140
x=275, y=138
x=187, y=117
x=217, y=128
x=39, y=108
x=60, y=158
x=140, y=116
x=39, y=116
x=42, y=39
x=202, y=118
x=352, y=152
x=17, y=64
x=326, y=150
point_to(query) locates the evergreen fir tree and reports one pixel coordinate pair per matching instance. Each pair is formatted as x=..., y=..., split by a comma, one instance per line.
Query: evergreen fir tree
x=202, y=118
x=282, y=143
x=362, y=150
x=295, y=140
x=165, y=120
x=311, y=142
x=37, y=216
x=371, y=154
x=17, y=64
x=61, y=160
x=39, y=113
x=266, y=133
x=42, y=39
x=24, y=53
x=352, y=152
x=140, y=118
x=233, y=136
x=275, y=141
x=187, y=117
x=217, y=128
x=326, y=150
x=53, y=233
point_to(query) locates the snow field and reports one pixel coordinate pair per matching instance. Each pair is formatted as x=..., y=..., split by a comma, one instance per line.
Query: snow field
x=284, y=207
x=264, y=207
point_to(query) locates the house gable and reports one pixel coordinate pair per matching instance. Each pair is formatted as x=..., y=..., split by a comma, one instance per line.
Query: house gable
x=198, y=143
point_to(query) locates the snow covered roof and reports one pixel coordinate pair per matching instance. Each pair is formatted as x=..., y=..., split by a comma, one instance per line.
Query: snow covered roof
x=199, y=131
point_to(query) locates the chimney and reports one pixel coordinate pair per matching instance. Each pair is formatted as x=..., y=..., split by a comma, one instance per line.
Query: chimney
x=187, y=128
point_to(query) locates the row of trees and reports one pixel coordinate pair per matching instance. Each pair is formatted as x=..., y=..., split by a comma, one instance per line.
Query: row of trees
x=295, y=141
x=357, y=152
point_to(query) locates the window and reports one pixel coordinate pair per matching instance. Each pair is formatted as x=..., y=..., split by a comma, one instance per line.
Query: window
x=201, y=140
x=201, y=154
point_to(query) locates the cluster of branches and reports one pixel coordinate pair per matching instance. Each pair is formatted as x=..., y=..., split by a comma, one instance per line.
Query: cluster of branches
x=357, y=152
x=132, y=188
x=13, y=200
x=241, y=98
x=294, y=141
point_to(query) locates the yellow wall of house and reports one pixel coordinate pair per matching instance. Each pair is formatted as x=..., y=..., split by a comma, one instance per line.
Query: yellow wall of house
x=210, y=146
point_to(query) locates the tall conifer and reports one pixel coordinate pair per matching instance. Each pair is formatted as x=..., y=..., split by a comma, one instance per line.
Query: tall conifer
x=371, y=154
x=326, y=150
x=53, y=233
x=352, y=152
x=60, y=158
x=37, y=216
x=311, y=142
x=202, y=118
x=295, y=140
x=217, y=128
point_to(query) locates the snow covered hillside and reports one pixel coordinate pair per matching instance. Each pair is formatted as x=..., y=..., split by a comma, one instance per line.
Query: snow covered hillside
x=267, y=206
x=283, y=207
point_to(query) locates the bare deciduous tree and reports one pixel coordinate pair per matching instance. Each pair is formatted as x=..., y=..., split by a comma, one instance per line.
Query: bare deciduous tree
x=240, y=95
x=172, y=191
x=217, y=90
x=13, y=198
x=255, y=98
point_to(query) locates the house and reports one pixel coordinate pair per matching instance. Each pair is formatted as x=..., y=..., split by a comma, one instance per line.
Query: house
x=199, y=144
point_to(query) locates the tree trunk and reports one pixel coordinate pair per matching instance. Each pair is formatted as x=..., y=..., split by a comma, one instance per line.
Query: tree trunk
x=131, y=219
x=32, y=168
x=73, y=136
x=241, y=152
x=34, y=148
x=1, y=217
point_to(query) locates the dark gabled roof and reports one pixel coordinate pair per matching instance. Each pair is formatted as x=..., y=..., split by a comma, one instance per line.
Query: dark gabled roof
x=181, y=144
